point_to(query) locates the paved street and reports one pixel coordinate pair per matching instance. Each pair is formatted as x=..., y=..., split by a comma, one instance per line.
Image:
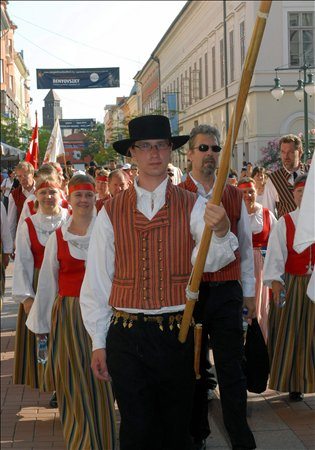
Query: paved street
x=27, y=422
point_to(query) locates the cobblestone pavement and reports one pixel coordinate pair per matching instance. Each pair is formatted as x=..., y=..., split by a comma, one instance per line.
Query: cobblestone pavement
x=28, y=423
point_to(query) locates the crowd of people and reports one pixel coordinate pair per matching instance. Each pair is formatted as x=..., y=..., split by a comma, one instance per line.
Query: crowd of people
x=102, y=259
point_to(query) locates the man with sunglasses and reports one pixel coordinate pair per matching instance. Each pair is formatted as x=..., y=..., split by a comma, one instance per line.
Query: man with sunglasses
x=222, y=295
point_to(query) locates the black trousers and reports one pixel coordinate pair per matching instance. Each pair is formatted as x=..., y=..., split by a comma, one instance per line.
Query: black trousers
x=219, y=309
x=153, y=382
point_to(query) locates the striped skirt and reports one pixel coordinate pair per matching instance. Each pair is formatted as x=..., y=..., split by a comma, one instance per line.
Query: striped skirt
x=86, y=404
x=262, y=294
x=26, y=369
x=291, y=342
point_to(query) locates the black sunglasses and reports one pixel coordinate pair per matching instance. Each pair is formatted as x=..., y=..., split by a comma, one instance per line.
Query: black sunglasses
x=205, y=148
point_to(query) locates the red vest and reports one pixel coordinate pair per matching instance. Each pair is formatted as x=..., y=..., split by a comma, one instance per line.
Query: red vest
x=232, y=202
x=71, y=270
x=31, y=207
x=152, y=257
x=297, y=263
x=19, y=199
x=261, y=239
x=36, y=247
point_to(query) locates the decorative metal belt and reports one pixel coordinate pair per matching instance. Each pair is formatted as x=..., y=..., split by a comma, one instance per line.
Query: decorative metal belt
x=167, y=320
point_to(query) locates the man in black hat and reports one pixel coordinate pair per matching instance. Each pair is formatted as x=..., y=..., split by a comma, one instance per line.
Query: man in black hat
x=133, y=293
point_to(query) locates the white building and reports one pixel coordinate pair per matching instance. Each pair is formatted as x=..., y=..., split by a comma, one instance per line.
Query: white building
x=191, y=62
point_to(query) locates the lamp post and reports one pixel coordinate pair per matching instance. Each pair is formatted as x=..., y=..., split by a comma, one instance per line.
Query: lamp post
x=304, y=89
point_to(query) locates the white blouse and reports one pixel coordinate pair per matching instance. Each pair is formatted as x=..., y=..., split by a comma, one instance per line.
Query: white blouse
x=256, y=220
x=24, y=261
x=39, y=318
x=277, y=251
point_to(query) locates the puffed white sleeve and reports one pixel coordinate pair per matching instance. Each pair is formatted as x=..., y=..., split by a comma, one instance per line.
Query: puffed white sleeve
x=97, y=282
x=39, y=318
x=23, y=272
x=6, y=238
x=276, y=255
x=221, y=250
x=12, y=216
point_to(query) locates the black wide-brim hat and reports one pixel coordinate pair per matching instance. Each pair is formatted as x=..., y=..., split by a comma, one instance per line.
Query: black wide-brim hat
x=149, y=127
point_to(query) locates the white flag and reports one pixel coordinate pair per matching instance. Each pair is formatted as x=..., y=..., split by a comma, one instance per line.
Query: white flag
x=55, y=146
x=305, y=228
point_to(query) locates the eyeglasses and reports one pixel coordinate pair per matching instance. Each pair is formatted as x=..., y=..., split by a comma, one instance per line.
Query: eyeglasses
x=146, y=146
x=205, y=148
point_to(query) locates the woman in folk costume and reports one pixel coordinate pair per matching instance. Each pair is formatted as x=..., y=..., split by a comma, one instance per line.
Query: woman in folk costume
x=291, y=342
x=261, y=222
x=102, y=191
x=31, y=239
x=86, y=405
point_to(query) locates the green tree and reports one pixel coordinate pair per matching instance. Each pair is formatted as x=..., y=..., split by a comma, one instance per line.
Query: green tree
x=43, y=138
x=14, y=134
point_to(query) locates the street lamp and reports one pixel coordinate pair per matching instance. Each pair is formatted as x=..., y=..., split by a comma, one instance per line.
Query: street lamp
x=304, y=88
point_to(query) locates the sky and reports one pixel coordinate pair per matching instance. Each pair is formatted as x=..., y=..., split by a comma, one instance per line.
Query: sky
x=88, y=34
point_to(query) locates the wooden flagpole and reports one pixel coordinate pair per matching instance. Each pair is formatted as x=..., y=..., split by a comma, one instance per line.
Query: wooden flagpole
x=248, y=69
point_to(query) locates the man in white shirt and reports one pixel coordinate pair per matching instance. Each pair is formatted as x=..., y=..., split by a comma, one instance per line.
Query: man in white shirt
x=278, y=193
x=221, y=299
x=133, y=293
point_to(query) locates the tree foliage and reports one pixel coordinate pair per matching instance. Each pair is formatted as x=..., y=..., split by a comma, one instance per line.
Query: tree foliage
x=13, y=134
x=270, y=155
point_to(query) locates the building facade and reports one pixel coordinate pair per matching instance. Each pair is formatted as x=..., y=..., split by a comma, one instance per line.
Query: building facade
x=14, y=75
x=201, y=57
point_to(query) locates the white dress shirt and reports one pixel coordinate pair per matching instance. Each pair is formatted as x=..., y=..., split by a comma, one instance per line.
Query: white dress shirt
x=6, y=238
x=245, y=244
x=39, y=318
x=24, y=261
x=12, y=211
x=97, y=283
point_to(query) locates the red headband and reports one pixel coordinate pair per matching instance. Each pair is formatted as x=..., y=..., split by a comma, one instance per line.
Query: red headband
x=246, y=185
x=81, y=187
x=299, y=184
x=101, y=178
x=47, y=184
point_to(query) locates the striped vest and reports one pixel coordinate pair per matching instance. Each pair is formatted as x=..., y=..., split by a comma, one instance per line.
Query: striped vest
x=232, y=202
x=152, y=257
x=19, y=199
x=284, y=189
x=297, y=263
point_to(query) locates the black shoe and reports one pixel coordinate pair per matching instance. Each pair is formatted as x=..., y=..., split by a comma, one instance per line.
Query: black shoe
x=53, y=401
x=296, y=396
x=199, y=444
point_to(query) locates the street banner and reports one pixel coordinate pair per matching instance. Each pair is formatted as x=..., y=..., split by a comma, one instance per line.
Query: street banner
x=171, y=101
x=55, y=146
x=32, y=153
x=79, y=124
x=77, y=78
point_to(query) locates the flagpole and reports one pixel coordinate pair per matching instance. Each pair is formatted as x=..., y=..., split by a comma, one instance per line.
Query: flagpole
x=38, y=159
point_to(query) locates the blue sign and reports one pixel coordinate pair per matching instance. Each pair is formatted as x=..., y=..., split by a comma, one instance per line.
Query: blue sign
x=80, y=124
x=77, y=78
x=171, y=100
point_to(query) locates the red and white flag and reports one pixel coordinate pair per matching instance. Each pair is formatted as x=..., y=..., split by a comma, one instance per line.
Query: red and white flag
x=32, y=153
x=55, y=146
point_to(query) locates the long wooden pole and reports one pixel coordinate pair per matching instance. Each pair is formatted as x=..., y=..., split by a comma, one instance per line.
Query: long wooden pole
x=246, y=78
